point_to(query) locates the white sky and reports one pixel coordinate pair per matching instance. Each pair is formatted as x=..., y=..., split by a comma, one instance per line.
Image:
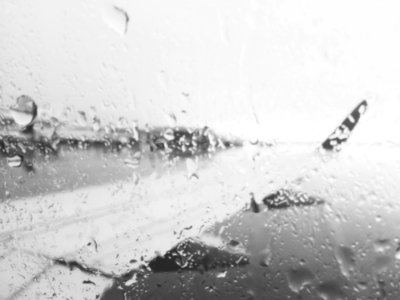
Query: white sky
x=299, y=66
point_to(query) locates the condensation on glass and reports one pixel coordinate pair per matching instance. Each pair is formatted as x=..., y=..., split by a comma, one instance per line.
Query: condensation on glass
x=183, y=150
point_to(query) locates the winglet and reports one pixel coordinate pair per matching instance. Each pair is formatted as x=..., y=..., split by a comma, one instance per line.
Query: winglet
x=343, y=131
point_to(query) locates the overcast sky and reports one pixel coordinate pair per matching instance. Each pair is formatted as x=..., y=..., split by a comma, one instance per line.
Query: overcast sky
x=279, y=69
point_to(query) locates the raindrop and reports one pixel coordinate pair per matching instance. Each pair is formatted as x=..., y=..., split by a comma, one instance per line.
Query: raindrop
x=266, y=257
x=250, y=295
x=25, y=111
x=169, y=134
x=346, y=260
x=82, y=120
x=382, y=245
x=233, y=243
x=382, y=263
x=299, y=278
x=131, y=163
x=173, y=118
x=135, y=131
x=185, y=95
x=132, y=280
x=122, y=123
x=136, y=178
x=192, y=168
x=14, y=161
x=382, y=290
x=397, y=255
x=96, y=124
x=118, y=19
x=330, y=290
x=134, y=162
x=362, y=285
x=163, y=80
x=221, y=274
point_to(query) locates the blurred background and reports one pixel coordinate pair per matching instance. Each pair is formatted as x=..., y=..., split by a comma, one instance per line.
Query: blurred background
x=87, y=210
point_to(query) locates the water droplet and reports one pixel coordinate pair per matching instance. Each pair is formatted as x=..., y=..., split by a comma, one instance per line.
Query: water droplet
x=136, y=178
x=169, y=134
x=330, y=290
x=131, y=281
x=117, y=18
x=96, y=124
x=163, y=80
x=82, y=120
x=250, y=295
x=397, y=255
x=382, y=263
x=134, y=162
x=25, y=111
x=122, y=123
x=382, y=245
x=299, y=278
x=266, y=257
x=14, y=161
x=221, y=274
x=362, y=285
x=233, y=243
x=135, y=131
x=131, y=163
x=346, y=260
x=192, y=168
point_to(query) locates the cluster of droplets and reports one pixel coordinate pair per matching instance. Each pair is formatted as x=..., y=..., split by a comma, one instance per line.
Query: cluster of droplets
x=184, y=142
x=77, y=130
x=23, y=114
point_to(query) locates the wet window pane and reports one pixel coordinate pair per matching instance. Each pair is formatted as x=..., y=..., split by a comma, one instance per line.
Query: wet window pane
x=199, y=150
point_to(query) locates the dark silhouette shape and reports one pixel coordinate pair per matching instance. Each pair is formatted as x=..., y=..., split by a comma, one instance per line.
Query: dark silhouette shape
x=255, y=208
x=233, y=243
x=73, y=264
x=185, y=142
x=194, y=255
x=284, y=198
x=342, y=133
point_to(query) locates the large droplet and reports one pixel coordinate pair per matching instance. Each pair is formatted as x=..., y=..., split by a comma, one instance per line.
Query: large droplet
x=299, y=278
x=25, y=111
x=346, y=260
x=169, y=134
x=330, y=290
x=96, y=124
x=117, y=18
x=14, y=161
x=382, y=245
x=81, y=119
x=192, y=168
x=266, y=256
x=397, y=255
x=382, y=263
x=134, y=163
